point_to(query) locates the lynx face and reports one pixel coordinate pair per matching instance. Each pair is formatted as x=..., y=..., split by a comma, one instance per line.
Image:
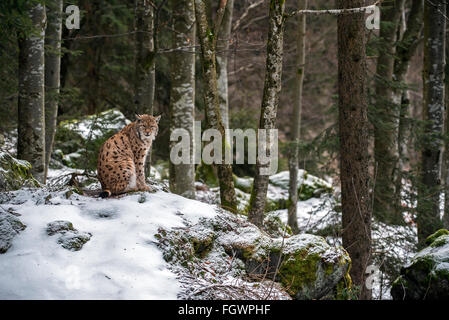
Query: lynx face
x=147, y=127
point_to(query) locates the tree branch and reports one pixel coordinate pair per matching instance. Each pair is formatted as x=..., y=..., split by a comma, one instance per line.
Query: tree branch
x=333, y=11
x=220, y=14
x=243, y=16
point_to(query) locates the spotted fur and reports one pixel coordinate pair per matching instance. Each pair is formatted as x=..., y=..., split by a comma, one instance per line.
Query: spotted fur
x=121, y=160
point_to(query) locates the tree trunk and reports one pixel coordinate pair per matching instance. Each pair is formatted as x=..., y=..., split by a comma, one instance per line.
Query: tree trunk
x=31, y=111
x=144, y=86
x=386, y=125
x=222, y=62
x=94, y=54
x=52, y=75
x=353, y=131
x=296, y=125
x=207, y=39
x=405, y=50
x=270, y=100
x=428, y=219
x=182, y=93
x=446, y=132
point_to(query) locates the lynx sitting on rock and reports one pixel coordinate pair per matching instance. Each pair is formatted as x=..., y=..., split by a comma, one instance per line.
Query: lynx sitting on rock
x=121, y=161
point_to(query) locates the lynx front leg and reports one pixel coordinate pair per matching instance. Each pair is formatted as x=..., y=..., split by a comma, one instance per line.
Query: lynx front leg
x=140, y=172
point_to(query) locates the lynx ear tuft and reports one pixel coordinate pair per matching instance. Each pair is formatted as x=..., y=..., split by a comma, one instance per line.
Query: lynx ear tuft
x=157, y=118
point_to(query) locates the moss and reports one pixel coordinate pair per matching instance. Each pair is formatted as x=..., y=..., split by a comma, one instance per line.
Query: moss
x=14, y=173
x=436, y=235
x=201, y=247
x=299, y=270
x=440, y=241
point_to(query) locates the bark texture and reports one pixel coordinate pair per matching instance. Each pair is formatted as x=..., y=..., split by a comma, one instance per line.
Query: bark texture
x=433, y=110
x=52, y=74
x=296, y=124
x=222, y=62
x=386, y=125
x=144, y=64
x=353, y=131
x=31, y=111
x=270, y=101
x=446, y=132
x=144, y=86
x=207, y=38
x=182, y=94
x=405, y=50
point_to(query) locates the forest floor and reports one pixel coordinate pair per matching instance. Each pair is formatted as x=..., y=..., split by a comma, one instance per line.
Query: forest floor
x=121, y=256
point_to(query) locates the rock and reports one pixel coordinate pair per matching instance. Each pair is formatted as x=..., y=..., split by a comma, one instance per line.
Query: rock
x=274, y=227
x=426, y=277
x=70, y=238
x=10, y=226
x=74, y=241
x=245, y=184
x=308, y=186
x=430, y=239
x=304, y=265
x=59, y=226
x=14, y=173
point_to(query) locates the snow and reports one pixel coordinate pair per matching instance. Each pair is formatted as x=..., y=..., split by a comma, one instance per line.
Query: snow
x=121, y=260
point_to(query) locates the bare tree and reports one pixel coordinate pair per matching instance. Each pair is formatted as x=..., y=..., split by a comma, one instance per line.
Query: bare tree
x=353, y=132
x=405, y=50
x=144, y=85
x=222, y=62
x=386, y=125
x=52, y=74
x=208, y=40
x=433, y=110
x=31, y=111
x=144, y=64
x=296, y=125
x=270, y=101
x=446, y=132
x=182, y=93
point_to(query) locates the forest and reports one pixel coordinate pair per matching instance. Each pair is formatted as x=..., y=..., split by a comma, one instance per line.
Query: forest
x=224, y=149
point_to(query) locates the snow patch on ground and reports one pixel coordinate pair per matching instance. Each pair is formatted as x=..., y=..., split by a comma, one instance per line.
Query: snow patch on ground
x=121, y=260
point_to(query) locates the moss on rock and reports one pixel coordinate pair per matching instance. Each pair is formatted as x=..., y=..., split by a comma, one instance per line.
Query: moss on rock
x=427, y=275
x=430, y=239
x=14, y=173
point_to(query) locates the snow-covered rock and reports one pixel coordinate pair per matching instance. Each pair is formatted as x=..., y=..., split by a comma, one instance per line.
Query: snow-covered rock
x=10, y=226
x=69, y=238
x=426, y=277
x=308, y=185
x=14, y=173
x=229, y=247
